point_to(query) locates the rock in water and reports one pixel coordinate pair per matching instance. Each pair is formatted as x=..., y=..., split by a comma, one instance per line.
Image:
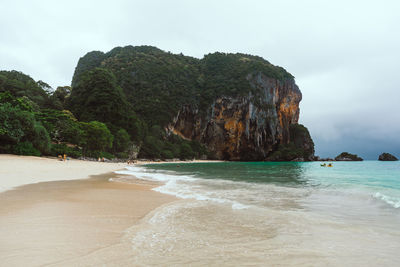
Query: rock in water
x=387, y=157
x=345, y=156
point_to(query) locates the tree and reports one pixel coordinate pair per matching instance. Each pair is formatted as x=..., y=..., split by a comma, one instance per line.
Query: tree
x=25, y=148
x=97, y=137
x=58, y=98
x=45, y=87
x=151, y=148
x=15, y=123
x=21, y=85
x=62, y=92
x=97, y=97
x=62, y=126
x=186, y=151
x=40, y=138
x=121, y=140
x=18, y=124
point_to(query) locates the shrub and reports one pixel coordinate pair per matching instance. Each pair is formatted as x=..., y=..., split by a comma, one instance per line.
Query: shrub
x=97, y=137
x=106, y=155
x=26, y=148
x=121, y=140
x=186, y=152
x=61, y=149
x=167, y=154
x=41, y=138
x=151, y=148
x=122, y=155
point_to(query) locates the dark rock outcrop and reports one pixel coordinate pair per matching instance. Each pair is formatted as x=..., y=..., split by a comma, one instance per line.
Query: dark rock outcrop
x=387, y=157
x=323, y=159
x=250, y=127
x=345, y=156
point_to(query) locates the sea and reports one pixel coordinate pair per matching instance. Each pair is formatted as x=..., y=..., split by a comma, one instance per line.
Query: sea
x=270, y=214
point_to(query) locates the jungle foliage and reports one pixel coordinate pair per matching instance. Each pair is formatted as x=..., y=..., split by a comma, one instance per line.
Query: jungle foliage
x=154, y=80
x=35, y=121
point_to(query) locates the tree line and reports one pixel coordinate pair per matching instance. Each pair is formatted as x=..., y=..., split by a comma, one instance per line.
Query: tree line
x=37, y=121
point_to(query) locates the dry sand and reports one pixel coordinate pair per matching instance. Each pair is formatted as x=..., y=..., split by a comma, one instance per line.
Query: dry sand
x=19, y=170
x=69, y=222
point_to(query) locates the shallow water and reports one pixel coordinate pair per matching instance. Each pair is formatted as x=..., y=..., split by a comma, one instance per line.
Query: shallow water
x=236, y=213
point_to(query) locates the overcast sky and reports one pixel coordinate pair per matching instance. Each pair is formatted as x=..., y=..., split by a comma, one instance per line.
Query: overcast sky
x=344, y=54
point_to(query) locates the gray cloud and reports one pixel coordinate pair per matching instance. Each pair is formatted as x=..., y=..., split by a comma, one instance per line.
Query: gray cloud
x=344, y=54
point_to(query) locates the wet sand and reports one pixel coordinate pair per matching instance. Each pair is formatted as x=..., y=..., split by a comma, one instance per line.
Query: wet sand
x=72, y=223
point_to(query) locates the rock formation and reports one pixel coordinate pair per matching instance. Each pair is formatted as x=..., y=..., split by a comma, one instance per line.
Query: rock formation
x=387, y=157
x=241, y=107
x=345, y=156
x=248, y=127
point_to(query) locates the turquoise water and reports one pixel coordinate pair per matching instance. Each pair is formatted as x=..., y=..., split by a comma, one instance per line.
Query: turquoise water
x=369, y=173
x=380, y=179
x=267, y=213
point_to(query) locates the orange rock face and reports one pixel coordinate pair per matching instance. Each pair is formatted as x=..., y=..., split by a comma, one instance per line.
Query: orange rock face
x=246, y=127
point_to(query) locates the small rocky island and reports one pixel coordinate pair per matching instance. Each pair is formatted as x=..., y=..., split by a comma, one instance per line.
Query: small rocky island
x=387, y=157
x=345, y=156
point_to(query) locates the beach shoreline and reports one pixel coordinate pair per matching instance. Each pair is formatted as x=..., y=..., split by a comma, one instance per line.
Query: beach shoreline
x=56, y=213
x=145, y=162
x=207, y=214
x=16, y=170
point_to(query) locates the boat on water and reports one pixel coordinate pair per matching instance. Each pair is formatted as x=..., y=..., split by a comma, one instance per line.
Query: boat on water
x=327, y=165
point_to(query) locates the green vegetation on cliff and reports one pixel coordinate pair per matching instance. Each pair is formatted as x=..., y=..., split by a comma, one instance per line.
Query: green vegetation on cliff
x=35, y=121
x=156, y=80
x=150, y=78
x=98, y=97
x=300, y=147
x=121, y=102
x=21, y=85
x=346, y=156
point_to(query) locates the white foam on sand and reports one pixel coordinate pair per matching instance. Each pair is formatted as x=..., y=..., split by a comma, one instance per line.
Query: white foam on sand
x=279, y=226
x=239, y=195
x=392, y=201
x=182, y=186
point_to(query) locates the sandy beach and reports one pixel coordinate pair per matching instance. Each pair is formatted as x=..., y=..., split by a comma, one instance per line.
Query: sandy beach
x=55, y=215
x=19, y=170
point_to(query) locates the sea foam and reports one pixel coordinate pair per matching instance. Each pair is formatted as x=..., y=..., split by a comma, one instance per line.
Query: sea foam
x=337, y=219
x=182, y=186
x=392, y=201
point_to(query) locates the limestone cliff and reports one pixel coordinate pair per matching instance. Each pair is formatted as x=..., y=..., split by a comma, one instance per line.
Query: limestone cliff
x=240, y=106
x=247, y=127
